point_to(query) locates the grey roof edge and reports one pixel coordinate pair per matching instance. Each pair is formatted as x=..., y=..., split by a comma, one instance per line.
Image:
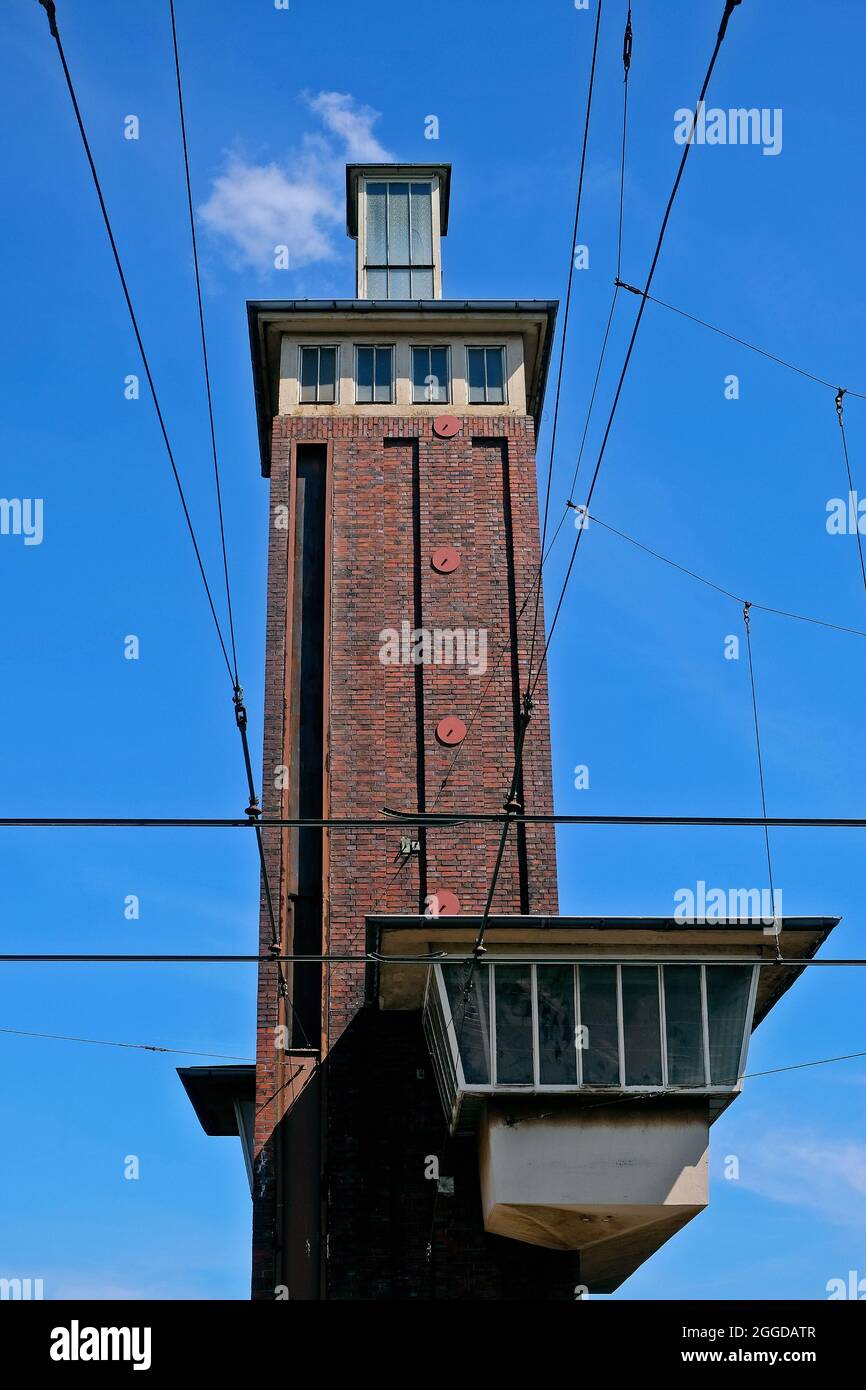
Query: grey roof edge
x=331, y=306
x=542, y=922
x=211, y=1091
x=264, y=405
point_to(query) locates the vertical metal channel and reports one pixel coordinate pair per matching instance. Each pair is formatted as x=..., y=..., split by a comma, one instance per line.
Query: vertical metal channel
x=520, y=830
x=418, y=622
x=307, y=713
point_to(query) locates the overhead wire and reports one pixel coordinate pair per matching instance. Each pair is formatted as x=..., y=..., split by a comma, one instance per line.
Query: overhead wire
x=50, y=8
x=743, y=342
x=204, y=351
x=527, y=701
x=720, y=589
x=748, y=626
x=445, y=821
x=145, y=1047
x=730, y=6
x=627, y=49
x=545, y=550
x=238, y=701
x=442, y=958
x=240, y=712
x=564, y=332
x=840, y=394
x=229, y=1057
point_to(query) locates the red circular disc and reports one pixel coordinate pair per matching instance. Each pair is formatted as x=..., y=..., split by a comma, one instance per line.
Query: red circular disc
x=443, y=904
x=445, y=559
x=450, y=731
x=446, y=426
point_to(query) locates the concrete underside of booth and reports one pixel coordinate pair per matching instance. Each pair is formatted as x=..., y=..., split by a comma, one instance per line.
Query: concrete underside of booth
x=614, y=1181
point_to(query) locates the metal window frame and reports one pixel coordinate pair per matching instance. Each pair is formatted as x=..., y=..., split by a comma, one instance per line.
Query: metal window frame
x=485, y=348
x=374, y=348
x=318, y=348
x=436, y=980
x=390, y=265
x=428, y=348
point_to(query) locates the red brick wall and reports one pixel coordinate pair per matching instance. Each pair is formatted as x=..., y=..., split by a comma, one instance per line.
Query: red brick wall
x=396, y=493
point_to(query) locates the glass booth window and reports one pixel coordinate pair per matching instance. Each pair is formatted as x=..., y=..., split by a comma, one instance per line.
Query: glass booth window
x=399, y=240
x=626, y=1026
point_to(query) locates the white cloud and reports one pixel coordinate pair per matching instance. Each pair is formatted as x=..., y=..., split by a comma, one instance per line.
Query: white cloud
x=352, y=124
x=802, y=1169
x=296, y=202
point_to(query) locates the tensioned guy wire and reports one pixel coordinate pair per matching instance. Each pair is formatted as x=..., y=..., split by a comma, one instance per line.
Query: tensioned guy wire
x=627, y=46
x=563, y=336
x=545, y=550
x=50, y=8
x=840, y=414
x=743, y=342
x=720, y=589
x=240, y=713
x=730, y=6
x=143, y=1047
x=748, y=626
x=526, y=712
x=204, y=352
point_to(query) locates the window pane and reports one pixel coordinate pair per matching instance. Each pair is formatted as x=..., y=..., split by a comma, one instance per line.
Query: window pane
x=422, y=224
x=439, y=372
x=641, y=1026
x=513, y=1025
x=475, y=368
x=420, y=371
x=727, y=1001
x=422, y=284
x=684, y=1025
x=376, y=224
x=600, y=1057
x=377, y=284
x=327, y=374
x=470, y=1010
x=398, y=224
x=399, y=284
x=364, y=375
x=309, y=373
x=558, y=1055
x=495, y=379
x=383, y=374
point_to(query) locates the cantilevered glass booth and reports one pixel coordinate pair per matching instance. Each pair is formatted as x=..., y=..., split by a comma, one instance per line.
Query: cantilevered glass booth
x=596, y=1027
x=587, y=1059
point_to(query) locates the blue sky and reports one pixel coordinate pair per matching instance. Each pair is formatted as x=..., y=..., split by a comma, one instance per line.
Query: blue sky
x=768, y=246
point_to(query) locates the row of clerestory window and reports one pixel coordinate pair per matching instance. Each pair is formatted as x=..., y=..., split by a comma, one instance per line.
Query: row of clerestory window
x=374, y=375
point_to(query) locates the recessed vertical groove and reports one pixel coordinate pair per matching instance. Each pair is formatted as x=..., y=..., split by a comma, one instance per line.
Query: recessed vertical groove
x=418, y=623
x=522, y=865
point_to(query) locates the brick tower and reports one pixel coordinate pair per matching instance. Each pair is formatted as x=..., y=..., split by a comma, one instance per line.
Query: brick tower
x=530, y=1125
x=398, y=432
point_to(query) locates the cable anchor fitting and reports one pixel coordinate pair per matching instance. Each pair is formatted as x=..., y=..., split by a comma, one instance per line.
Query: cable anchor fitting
x=746, y=607
x=841, y=392
x=627, y=45
x=51, y=10
x=240, y=708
